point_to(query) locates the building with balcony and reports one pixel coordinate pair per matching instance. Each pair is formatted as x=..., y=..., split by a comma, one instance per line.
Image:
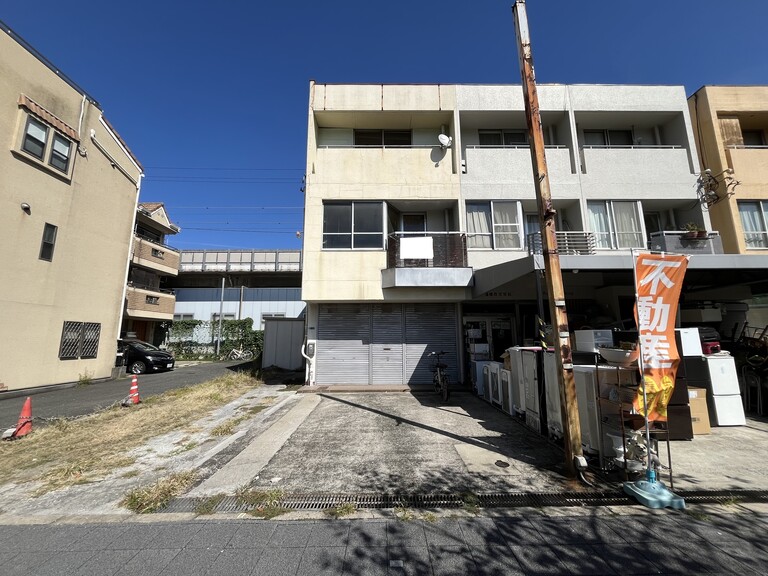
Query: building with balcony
x=421, y=221
x=68, y=192
x=149, y=301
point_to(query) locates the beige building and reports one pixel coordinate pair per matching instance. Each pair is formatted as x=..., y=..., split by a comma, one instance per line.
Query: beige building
x=421, y=228
x=68, y=193
x=149, y=302
x=731, y=128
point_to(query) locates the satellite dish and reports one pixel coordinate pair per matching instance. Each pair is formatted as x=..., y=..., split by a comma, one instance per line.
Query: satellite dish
x=445, y=141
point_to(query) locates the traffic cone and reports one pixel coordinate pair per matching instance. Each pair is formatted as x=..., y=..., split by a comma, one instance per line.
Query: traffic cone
x=133, y=393
x=24, y=425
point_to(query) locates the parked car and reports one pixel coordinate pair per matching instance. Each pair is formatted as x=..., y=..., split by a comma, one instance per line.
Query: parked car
x=141, y=357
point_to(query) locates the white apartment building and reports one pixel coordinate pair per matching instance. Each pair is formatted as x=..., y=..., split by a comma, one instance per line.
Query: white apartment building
x=411, y=246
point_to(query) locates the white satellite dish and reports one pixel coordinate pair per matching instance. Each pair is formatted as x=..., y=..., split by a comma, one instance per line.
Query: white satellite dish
x=445, y=141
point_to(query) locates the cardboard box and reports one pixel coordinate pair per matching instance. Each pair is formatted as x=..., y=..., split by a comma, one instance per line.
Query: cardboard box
x=696, y=393
x=699, y=413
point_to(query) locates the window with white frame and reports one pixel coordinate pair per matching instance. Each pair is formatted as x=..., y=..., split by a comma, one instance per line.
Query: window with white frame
x=353, y=225
x=754, y=216
x=46, y=145
x=616, y=224
x=494, y=225
x=178, y=317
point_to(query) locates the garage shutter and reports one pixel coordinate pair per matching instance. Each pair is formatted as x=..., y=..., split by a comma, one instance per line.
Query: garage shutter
x=429, y=327
x=387, y=344
x=344, y=336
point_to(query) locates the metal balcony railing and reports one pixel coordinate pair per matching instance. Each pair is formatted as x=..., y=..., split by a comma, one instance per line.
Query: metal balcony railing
x=448, y=250
x=568, y=243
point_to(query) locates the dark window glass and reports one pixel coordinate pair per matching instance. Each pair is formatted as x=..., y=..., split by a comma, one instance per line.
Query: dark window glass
x=620, y=137
x=594, y=138
x=368, y=217
x=397, y=137
x=369, y=240
x=753, y=137
x=489, y=137
x=35, y=137
x=368, y=138
x=337, y=218
x=60, y=152
x=48, y=243
x=515, y=137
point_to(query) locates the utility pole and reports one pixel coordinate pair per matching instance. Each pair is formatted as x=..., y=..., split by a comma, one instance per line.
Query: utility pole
x=553, y=274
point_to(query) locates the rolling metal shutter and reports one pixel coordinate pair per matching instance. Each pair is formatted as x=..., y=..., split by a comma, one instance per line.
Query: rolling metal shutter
x=387, y=344
x=343, y=339
x=428, y=328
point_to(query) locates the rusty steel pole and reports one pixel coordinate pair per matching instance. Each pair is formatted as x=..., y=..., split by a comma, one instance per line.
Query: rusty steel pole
x=553, y=274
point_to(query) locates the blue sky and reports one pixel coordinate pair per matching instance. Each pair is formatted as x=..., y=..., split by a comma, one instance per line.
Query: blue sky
x=212, y=96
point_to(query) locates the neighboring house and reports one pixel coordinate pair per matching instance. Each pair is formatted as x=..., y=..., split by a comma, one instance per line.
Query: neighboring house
x=731, y=128
x=68, y=192
x=258, y=284
x=414, y=244
x=149, y=303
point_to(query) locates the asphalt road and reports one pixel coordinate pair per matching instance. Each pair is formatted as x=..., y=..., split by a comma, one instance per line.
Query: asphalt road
x=81, y=400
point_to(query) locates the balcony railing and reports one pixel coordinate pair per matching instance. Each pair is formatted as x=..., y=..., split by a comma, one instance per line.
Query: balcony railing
x=241, y=261
x=427, y=250
x=152, y=253
x=686, y=242
x=149, y=302
x=568, y=243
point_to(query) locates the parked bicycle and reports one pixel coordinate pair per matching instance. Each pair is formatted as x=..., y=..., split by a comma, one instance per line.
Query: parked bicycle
x=440, y=377
x=240, y=354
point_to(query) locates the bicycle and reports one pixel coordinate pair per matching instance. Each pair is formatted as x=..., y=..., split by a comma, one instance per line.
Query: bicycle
x=440, y=377
x=240, y=354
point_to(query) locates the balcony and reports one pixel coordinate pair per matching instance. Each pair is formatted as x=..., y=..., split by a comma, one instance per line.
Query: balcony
x=686, y=243
x=149, y=302
x=434, y=259
x=577, y=243
x=646, y=165
x=513, y=164
x=749, y=163
x=155, y=256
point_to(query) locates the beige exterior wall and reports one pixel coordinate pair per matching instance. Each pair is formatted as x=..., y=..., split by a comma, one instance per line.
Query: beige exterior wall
x=143, y=251
x=138, y=307
x=419, y=174
x=718, y=113
x=93, y=210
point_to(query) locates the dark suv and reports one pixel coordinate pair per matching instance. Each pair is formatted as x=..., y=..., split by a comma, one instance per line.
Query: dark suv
x=141, y=357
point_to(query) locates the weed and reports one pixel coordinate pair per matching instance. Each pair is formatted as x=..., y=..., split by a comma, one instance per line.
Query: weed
x=185, y=448
x=701, y=516
x=228, y=427
x=208, y=505
x=470, y=502
x=403, y=513
x=157, y=495
x=430, y=517
x=85, y=379
x=341, y=510
x=731, y=500
x=265, y=503
x=130, y=474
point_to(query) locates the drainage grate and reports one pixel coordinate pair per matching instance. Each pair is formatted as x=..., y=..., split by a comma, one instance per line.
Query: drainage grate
x=498, y=500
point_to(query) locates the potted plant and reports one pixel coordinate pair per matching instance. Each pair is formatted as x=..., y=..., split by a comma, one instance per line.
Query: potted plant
x=691, y=230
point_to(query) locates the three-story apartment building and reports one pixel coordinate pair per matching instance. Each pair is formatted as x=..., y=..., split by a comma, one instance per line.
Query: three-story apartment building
x=68, y=192
x=149, y=302
x=421, y=227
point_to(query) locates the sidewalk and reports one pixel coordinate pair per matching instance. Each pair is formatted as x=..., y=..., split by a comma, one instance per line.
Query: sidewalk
x=526, y=542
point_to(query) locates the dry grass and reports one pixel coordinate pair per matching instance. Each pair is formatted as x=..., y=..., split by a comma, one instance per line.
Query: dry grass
x=88, y=449
x=157, y=495
x=341, y=510
x=266, y=503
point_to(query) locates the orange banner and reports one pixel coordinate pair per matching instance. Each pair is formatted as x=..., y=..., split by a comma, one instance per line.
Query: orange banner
x=658, y=279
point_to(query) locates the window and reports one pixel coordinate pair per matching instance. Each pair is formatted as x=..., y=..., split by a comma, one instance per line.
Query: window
x=154, y=300
x=215, y=317
x=608, y=138
x=79, y=340
x=36, y=142
x=353, y=225
x=753, y=222
x=381, y=138
x=501, y=138
x=494, y=225
x=48, y=243
x=158, y=254
x=753, y=137
x=35, y=137
x=177, y=317
x=616, y=224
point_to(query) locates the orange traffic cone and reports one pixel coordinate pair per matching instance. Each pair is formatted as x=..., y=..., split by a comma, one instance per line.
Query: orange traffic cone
x=133, y=393
x=24, y=425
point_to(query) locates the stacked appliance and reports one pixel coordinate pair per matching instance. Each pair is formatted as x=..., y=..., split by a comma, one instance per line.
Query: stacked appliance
x=552, y=395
